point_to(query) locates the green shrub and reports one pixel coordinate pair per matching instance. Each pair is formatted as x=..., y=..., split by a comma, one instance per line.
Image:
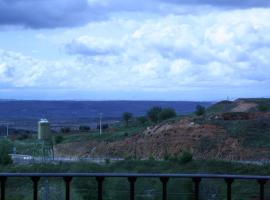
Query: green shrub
x=128, y=158
x=200, y=110
x=5, y=149
x=103, y=126
x=65, y=130
x=183, y=158
x=107, y=161
x=153, y=114
x=167, y=113
x=84, y=128
x=142, y=120
x=263, y=108
x=151, y=157
x=58, y=139
x=166, y=157
x=157, y=114
x=23, y=136
x=5, y=159
x=186, y=157
x=126, y=117
x=173, y=158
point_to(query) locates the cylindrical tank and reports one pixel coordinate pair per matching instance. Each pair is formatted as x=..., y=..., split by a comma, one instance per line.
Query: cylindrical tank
x=44, y=130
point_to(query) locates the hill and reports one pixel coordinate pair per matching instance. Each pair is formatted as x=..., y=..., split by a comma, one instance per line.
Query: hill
x=240, y=105
x=207, y=137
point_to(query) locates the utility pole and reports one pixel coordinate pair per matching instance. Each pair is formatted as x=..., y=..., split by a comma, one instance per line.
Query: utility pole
x=7, y=129
x=100, y=123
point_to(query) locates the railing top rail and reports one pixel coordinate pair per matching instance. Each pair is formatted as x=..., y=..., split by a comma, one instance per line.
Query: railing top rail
x=142, y=175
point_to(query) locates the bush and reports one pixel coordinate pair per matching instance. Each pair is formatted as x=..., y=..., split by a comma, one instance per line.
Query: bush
x=200, y=110
x=167, y=113
x=103, y=126
x=153, y=114
x=263, y=108
x=107, y=161
x=5, y=149
x=58, y=139
x=151, y=158
x=5, y=159
x=186, y=157
x=157, y=114
x=23, y=136
x=126, y=117
x=128, y=158
x=142, y=120
x=166, y=157
x=84, y=128
x=65, y=130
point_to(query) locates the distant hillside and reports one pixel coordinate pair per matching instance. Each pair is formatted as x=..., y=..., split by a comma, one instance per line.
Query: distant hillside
x=26, y=113
x=240, y=105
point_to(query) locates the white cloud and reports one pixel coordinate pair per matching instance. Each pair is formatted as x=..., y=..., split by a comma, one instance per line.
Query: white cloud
x=93, y=46
x=223, y=50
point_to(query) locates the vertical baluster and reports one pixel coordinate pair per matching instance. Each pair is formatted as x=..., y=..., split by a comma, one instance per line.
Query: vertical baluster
x=100, y=180
x=35, y=180
x=132, y=187
x=196, y=181
x=67, y=180
x=3, y=187
x=229, y=182
x=262, y=183
x=164, y=181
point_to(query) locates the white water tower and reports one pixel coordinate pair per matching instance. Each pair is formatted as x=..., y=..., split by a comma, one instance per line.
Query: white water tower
x=45, y=140
x=44, y=132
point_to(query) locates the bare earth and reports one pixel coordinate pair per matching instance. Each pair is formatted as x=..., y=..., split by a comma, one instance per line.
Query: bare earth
x=204, y=141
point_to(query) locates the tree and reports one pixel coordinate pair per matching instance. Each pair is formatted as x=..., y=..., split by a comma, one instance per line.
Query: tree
x=83, y=128
x=103, y=126
x=186, y=157
x=65, y=130
x=200, y=110
x=153, y=113
x=58, y=139
x=5, y=149
x=142, y=120
x=167, y=113
x=263, y=108
x=126, y=117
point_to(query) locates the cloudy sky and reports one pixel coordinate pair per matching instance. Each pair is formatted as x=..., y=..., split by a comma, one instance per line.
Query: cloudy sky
x=126, y=49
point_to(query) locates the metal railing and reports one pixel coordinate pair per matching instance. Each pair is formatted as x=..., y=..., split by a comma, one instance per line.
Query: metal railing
x=132, y=177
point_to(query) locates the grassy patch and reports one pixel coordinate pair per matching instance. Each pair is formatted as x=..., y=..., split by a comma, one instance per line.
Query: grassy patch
x=253, y=133
x=116, y=133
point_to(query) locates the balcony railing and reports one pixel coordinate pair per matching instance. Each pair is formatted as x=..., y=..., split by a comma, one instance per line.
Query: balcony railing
x=132, y=177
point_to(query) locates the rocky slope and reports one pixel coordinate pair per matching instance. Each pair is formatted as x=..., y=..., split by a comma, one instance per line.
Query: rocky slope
x=204, y=141
x=200, y=136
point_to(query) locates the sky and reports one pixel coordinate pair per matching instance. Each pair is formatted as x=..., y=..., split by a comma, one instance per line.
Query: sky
x=134, y=50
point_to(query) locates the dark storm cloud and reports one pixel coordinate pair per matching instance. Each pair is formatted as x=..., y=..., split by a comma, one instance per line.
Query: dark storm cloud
x=63, y=13
x=222, y=3
x=68, y=13
x=47, y=13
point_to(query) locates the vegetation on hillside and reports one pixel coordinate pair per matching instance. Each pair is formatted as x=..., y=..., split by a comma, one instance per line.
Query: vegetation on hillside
x=127, y=117
x=5, y=149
